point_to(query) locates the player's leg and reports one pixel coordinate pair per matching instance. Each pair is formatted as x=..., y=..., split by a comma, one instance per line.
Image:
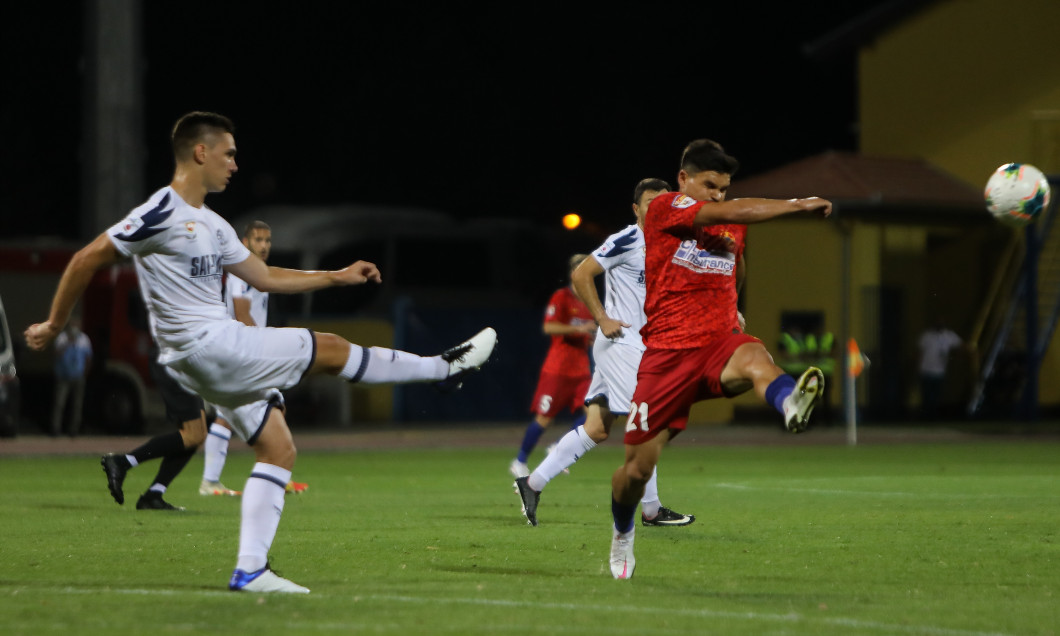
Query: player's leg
x=77, y=405
x=263, y=502
x=62, y=390
x=668, y=383
x=188, y=409
x=573, y=445
x=534, y=430
x=172, y=464
x=564, y=453
x=751, y=366
x=627, y=488
x=653, y=513
x=215, y=453
x=544, y=408
x=378, y=365
x=182, y=408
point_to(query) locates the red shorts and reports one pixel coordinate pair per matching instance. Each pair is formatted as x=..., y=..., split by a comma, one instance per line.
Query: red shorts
x=670, y=381
x=556, y=393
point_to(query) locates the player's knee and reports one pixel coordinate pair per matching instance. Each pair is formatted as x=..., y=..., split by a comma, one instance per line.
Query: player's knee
x=597, y=431
x=276, y=452
x=761, y=361
x=288, y=455
x=193, y=432
x=332, y=353
x=639, y=472
x=544, y=421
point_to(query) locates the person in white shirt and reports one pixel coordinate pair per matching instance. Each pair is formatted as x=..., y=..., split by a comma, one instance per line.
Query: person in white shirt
x=181, y=249
x=935, y=345
x=250, y=307
x=617, y=351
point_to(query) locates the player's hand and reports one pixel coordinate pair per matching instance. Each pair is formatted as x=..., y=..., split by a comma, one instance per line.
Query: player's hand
x=40, y=335
x=612, y=328
x=359, y=273
x=817, y=205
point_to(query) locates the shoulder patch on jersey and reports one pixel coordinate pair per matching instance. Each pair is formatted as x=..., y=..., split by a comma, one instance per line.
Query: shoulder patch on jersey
x=682, y=201
x=145, y=226
x=620, y=245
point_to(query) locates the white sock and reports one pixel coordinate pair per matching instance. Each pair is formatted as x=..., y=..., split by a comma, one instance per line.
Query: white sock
x=132, y=461
x=215, y=450
x=568, y=450
x=159, y=488
x=263, y=499
x=376, y=365
x=649, y=503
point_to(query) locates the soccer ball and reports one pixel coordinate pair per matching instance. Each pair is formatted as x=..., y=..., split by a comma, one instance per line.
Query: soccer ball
x=1016, y=193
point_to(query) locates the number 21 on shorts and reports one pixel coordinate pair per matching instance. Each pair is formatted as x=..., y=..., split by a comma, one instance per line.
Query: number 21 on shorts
x=635, y=410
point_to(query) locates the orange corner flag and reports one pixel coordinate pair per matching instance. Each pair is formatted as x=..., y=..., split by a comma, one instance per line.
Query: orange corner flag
x=854, y=358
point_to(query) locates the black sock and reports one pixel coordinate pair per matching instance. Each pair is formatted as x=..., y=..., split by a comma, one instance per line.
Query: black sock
x=172, y=465
x=159, y=446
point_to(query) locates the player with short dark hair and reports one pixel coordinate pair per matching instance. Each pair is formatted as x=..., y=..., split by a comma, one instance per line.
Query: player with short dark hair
x=694, y=348
x=616, y=350
x=181, y=250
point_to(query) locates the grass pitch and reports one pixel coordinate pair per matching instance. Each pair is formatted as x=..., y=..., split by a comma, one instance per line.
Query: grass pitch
x=949, y=539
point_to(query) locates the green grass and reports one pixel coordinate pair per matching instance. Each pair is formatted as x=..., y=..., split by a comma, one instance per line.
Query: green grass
x=954, y=539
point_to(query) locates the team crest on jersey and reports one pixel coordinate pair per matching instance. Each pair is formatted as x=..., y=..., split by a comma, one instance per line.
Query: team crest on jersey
x=682, y=201
x=729, y=238
x=190, y=227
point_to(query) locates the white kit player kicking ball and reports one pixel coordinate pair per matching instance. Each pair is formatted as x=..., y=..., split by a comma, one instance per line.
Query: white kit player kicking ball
x=617, y=351
x=181, y=249
x=250, y=307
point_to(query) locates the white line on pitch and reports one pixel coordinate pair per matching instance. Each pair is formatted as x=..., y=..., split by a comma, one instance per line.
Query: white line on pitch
x=698, y=613
x=881, y=493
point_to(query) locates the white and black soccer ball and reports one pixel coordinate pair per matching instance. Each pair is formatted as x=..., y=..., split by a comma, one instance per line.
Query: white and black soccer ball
x=1016, y=193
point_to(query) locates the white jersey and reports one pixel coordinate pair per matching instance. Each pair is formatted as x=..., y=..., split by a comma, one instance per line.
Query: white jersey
x=622, y=257
x=259, y=301
x=179, y=251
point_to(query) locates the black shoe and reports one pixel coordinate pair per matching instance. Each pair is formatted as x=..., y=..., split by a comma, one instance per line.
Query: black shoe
x=115, y=469
x=529, y=497
x=667, y=517
x=152, y=500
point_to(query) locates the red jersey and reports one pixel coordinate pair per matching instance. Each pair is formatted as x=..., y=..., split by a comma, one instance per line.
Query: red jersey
x=567, y=355
x=690, y=273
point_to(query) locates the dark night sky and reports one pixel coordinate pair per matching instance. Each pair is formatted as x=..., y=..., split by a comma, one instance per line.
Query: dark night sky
x=529, y=110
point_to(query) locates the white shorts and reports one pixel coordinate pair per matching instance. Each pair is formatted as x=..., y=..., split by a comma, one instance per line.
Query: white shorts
x=242, y=370
x=615, y=375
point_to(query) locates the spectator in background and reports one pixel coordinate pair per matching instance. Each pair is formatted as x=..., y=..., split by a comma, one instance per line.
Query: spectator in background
x=935, y=344
x=73, y=357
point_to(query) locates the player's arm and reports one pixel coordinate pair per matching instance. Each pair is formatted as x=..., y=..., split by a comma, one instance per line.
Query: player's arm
x=748, y=211
x=281, y=280
x=583, y=279
x=241, y=308
x=79, y=271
